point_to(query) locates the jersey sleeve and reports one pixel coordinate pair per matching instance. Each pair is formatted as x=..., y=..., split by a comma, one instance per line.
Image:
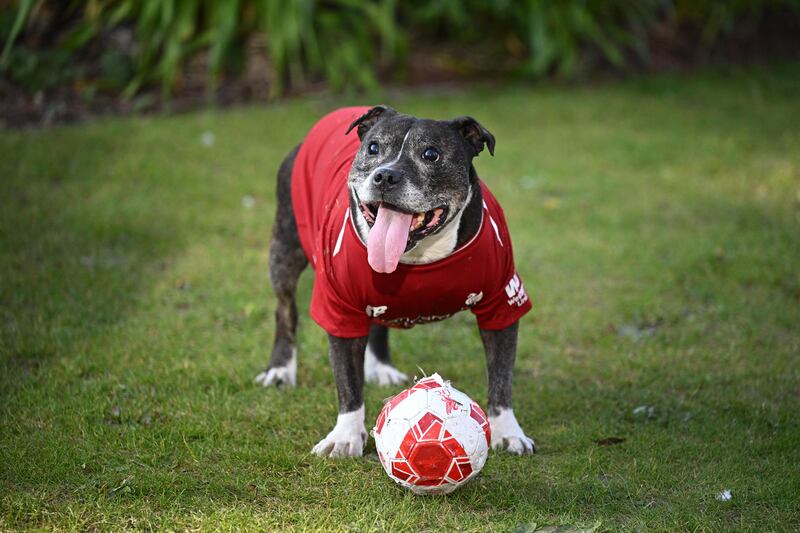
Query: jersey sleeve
x=334, y=314
x=505, y=300
x=505, y=306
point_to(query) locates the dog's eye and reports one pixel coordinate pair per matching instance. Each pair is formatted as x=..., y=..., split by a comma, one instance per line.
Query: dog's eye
x=431, y=154
x=373, y=149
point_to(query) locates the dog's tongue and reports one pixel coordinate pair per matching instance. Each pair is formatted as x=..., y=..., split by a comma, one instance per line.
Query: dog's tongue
x=387, y=239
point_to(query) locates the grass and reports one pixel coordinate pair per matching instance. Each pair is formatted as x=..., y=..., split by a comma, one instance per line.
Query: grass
x=656, y=224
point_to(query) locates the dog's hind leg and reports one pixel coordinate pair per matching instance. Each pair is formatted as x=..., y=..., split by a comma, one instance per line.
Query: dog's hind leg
x=378, y=366
x=286, y=262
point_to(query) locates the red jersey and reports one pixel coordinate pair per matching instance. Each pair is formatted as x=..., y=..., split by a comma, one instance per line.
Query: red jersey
x=348, y=295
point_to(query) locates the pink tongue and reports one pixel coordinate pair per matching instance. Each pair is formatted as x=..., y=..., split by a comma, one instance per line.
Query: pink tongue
x=387, y=239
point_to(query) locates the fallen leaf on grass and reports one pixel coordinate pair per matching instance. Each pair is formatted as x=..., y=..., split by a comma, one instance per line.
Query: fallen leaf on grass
x=551, y=203
x=123, y=488
x=529, y=182
x=248, y=201
x=610, y=441
x=724, y=496
x=564, y=528
x=114, y=415
x=646, y=410
x=637, y=331
x=208, y=139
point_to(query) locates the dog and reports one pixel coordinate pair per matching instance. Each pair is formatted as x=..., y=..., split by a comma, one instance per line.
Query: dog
x=391, y=214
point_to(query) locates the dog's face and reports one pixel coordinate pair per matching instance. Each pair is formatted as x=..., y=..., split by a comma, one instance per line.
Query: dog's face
x=411, y=171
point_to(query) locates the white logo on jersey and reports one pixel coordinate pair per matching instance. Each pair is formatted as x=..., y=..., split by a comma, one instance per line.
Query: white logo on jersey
x=473, y=298
x=516, y=292
x=376, y=311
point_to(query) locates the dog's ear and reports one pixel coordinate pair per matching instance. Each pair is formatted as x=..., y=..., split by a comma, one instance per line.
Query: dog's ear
x=368, y=119
x=474, y=133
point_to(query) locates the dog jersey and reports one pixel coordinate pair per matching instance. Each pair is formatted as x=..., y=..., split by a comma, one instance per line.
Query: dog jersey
x=348, y=295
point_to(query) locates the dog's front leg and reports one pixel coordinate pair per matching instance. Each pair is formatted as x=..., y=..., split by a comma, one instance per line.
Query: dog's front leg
x=501, y=351
x=349, y=434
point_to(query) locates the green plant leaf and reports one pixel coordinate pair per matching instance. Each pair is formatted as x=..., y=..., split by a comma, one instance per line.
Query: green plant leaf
x=22, y=16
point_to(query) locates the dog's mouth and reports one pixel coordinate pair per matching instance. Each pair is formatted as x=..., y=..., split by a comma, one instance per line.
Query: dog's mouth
x=422, y=223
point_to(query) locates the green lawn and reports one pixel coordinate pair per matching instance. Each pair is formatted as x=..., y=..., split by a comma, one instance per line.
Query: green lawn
x=656, y=225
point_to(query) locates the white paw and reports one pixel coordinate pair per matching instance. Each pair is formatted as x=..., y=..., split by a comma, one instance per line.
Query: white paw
x=381, y=373
x=280, y=375
x=347, y=439
x=384, y=374
x=508, y=436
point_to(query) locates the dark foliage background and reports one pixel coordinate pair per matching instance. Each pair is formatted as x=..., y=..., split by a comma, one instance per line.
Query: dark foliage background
x=144, y=52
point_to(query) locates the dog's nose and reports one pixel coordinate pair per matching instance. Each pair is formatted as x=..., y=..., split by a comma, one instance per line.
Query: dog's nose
x=386, y=178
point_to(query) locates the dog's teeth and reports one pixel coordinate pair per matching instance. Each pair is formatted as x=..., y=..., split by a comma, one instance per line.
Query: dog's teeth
x=417, y=221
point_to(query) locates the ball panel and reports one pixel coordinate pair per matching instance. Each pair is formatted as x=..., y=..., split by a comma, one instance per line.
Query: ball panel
x=477, y=414
x=429, y=424
x=433, y=382
x=402, y=470
x=454, y=475
x=431, y=460
x=410, y=406
x=467, y=432
x=389, y=439
x=381, y=418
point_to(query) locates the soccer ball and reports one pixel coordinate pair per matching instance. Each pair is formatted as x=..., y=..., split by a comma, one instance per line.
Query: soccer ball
x=432, y=438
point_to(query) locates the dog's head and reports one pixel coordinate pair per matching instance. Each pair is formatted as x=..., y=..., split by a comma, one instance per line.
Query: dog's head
x=410, y=177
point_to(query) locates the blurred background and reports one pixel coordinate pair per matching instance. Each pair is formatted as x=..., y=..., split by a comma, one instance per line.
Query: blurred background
x=655, y=221
x=64, y=60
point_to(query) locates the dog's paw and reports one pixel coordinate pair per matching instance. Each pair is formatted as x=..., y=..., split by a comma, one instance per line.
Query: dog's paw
x=383, y=374
x=516, y=444
x=508, y=436
x=380, y=373
x=347, y=439
x=280, y=375
x=276, y=376
x=341, y=445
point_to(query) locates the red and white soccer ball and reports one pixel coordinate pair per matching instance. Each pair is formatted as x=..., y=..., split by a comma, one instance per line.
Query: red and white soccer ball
x=432, y=438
